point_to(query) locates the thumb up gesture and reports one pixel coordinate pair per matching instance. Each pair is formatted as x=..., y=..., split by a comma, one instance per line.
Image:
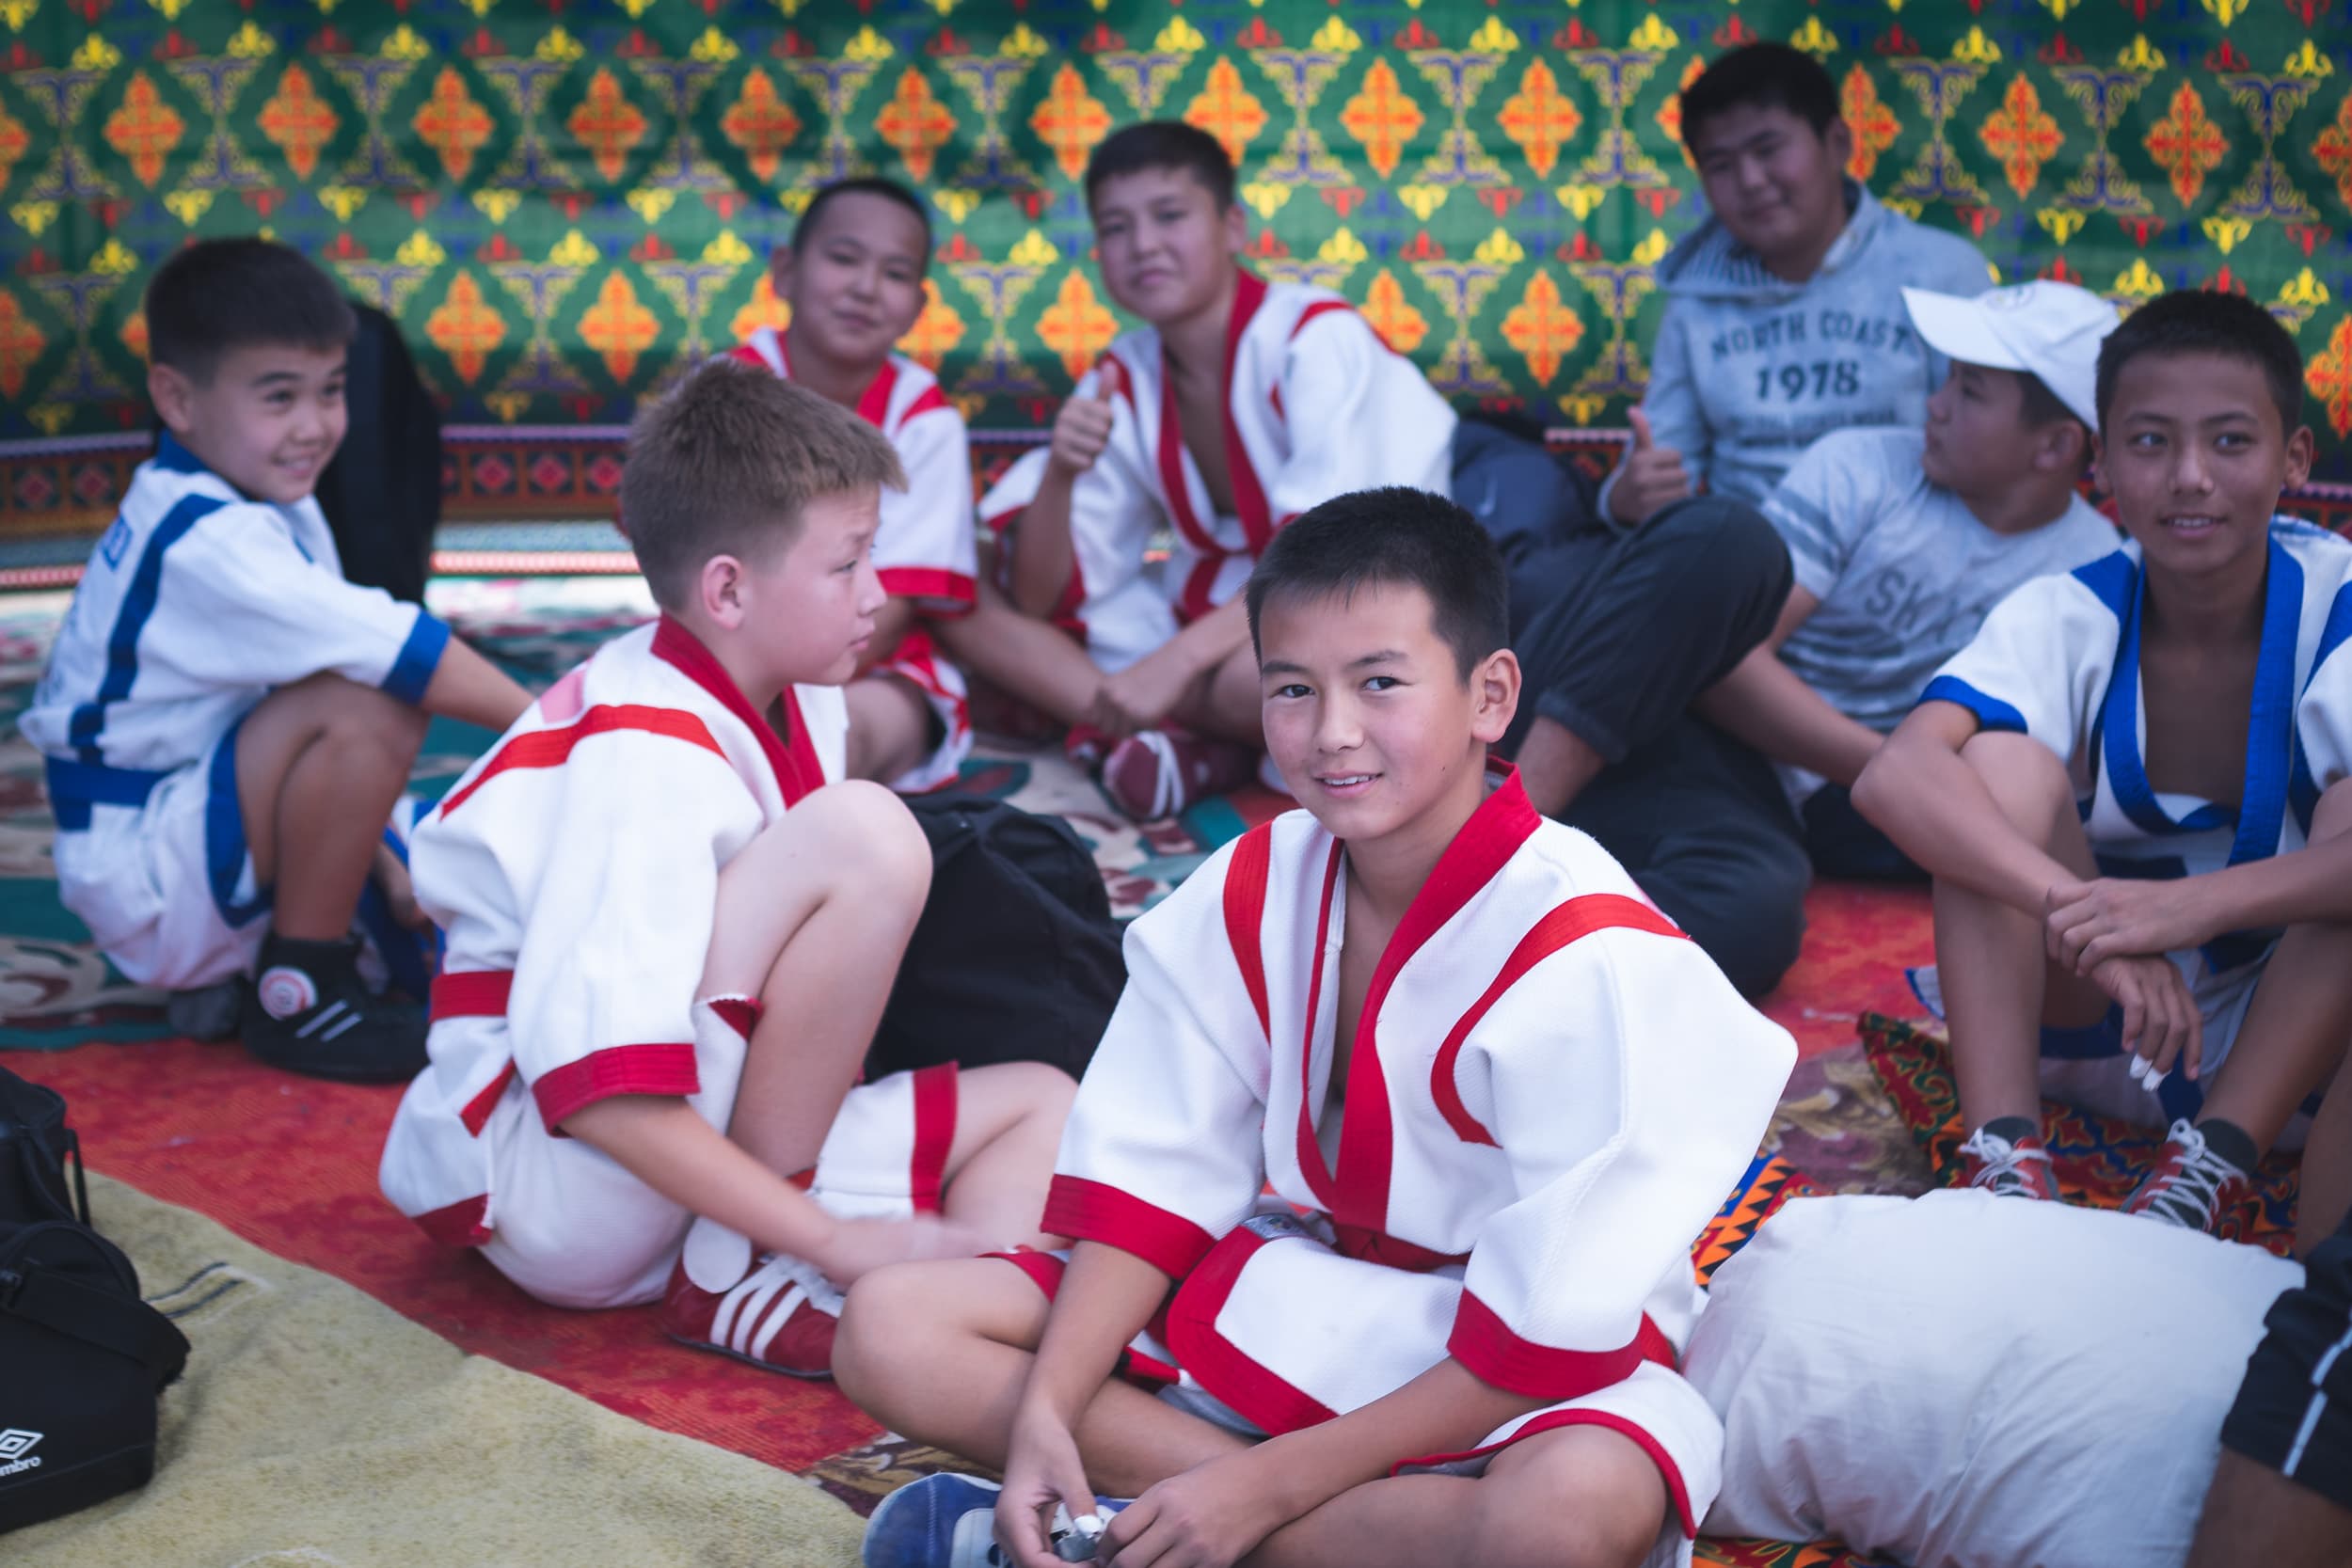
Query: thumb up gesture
x=1083, y=428
x=1650, y=477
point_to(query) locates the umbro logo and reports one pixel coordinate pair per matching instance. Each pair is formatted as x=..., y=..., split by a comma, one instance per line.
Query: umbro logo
x=15, y=1444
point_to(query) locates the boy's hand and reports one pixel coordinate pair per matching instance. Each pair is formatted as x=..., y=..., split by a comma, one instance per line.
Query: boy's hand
x=859, y=1247
x=2161, y=1022
x=1651, y=476
x=1143, y=694
x=2089, y=922
x=399, y=893
x=1083, y=428
x=1041, y=1469
x=1211, y=1516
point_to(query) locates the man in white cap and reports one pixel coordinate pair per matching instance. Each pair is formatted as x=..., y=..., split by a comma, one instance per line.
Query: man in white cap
x=1903, y=540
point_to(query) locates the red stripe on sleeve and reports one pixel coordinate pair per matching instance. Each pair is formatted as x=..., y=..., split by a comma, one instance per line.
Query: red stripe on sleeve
x=1095, y=1211
x=665, y=1067
x=1566, y=923
x=1482, y=1342
x=552, y=748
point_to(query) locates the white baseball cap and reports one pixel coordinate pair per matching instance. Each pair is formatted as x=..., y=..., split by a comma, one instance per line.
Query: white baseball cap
x=2049, y=330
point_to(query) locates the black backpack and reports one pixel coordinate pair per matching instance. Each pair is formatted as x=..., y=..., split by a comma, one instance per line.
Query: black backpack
x=82, y=1357
x=382, y=492
x=1016, y=958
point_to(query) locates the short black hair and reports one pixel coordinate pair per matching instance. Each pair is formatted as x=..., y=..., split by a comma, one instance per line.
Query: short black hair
x=2207, y=321
x=1765, y=76
x=1397, y=536
x=1163, y=144
x=863, y=184
x=216, y=296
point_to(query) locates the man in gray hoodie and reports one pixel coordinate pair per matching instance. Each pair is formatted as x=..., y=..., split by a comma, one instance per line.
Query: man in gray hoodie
x=1784, y=320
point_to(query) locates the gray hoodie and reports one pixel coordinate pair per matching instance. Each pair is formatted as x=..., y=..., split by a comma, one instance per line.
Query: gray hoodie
x=1750, y=369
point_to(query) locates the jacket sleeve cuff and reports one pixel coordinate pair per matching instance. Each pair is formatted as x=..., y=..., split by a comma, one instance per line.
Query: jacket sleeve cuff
x=667, y=1067
x=1093, y=1211
x=1495, y=1354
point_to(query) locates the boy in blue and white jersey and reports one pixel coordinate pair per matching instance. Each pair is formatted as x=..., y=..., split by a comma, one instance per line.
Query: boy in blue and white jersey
x=2131, y=786
x=228, y=723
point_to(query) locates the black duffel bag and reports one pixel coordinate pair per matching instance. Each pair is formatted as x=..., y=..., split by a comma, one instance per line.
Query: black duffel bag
x=1016, y=958
x=82, y=1357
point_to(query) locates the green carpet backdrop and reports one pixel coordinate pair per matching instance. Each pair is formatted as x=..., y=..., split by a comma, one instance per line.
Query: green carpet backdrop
x=564, y=201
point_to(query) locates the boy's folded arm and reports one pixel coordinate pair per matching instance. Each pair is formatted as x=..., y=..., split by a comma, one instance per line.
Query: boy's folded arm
x=1106, y=1296
x=2312, y=884
x=1626, y=1086
x=1769, y=706
x=1920, y=793
x=1044, y=550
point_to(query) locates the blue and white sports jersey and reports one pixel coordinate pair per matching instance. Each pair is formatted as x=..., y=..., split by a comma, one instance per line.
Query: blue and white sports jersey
x=194, y=604
x=2058, y=659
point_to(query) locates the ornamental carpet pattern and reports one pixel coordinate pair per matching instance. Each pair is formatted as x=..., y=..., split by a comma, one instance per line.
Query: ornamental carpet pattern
x=563, y=201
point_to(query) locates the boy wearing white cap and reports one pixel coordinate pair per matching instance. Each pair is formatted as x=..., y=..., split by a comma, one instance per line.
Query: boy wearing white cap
x=1903, y=540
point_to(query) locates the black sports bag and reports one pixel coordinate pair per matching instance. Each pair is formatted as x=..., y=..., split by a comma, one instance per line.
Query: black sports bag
x=82, y=1357
x=1016, y=957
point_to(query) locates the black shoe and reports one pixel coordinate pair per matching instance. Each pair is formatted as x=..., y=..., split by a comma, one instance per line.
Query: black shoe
x=207, y=1013
x=310, y=1013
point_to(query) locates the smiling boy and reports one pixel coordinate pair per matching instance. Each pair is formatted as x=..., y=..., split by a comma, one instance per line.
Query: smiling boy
x=1782, y=317
x=228, y=723
x=1492, y=1094
x=852, y=276
x=1237, y=406
x=2131, y=788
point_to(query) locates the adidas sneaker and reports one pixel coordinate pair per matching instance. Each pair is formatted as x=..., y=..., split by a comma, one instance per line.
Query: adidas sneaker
x=1157, y=773
x=781, y=1315
x=949, y=1521
x=310, y=1013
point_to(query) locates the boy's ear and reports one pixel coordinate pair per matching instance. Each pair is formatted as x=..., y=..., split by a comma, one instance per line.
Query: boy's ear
x=2064, y=445
x=1495, y=696
x=780, y=271
x=723, y=590
x=1838, y=138
x=1236, y=226
x=2300, y=447
x=174, y=396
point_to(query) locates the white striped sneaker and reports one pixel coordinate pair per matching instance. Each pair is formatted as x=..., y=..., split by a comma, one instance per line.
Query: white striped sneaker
x=781, y=1315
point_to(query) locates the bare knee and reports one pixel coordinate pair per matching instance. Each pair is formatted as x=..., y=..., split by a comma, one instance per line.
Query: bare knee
x=353, y=716
x=1577, y=1496
x=894, y=1323
x=2332, y=816
x=883, y=852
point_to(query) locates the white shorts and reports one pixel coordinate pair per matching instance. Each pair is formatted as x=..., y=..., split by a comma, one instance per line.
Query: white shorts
x=573, y=1227
x=918, y=661
x=1252, y=1326
x=166, y=888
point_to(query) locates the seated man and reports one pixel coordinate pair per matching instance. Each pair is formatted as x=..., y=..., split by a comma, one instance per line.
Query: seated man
x=1237, y=406
x=1504, y=1093
x=1904, y=540
x=2131, y=787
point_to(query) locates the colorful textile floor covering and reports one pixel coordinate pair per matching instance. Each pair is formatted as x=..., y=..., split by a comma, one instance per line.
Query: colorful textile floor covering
x=289, y=1163
x=2099, y=1160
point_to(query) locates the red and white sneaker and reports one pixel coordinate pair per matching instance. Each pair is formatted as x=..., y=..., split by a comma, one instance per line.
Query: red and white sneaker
x=2007, y=1169
x=1157, y=773
x=781, y=1316
x=2192, y=1186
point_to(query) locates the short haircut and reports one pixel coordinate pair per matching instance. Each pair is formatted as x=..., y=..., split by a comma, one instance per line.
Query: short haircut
x=216, y=296
x=2206, y=321
x=1163, y=144
x=725, y=463
x=864, y=184
x=1762, y=76
x=1395, y=536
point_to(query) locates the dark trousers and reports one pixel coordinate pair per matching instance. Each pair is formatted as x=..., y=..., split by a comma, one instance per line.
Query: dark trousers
x=1844, y=843
x=2293, y=1411
x=1617, y=631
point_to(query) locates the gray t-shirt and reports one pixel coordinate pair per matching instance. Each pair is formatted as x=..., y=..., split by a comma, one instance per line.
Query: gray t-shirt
x=1904, y=571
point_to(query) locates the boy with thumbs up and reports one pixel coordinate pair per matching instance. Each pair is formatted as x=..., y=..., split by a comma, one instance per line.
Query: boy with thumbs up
x=1237, y=406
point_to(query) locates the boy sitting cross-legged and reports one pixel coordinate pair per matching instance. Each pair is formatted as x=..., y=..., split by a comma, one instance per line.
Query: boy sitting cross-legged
x=228, y=723
x=671, y=931
x=853, y=278
x=1495, y=1096
x=2131, y=788
x=1237, y=406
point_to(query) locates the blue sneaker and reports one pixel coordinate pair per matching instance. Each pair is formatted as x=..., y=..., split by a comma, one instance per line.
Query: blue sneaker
x=944, y=1521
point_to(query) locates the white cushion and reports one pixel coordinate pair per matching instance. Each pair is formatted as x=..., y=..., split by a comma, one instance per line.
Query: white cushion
x=1966, y=1379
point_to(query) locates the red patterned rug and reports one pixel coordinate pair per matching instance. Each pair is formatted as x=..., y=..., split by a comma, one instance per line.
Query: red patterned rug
x=2099, y=1160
